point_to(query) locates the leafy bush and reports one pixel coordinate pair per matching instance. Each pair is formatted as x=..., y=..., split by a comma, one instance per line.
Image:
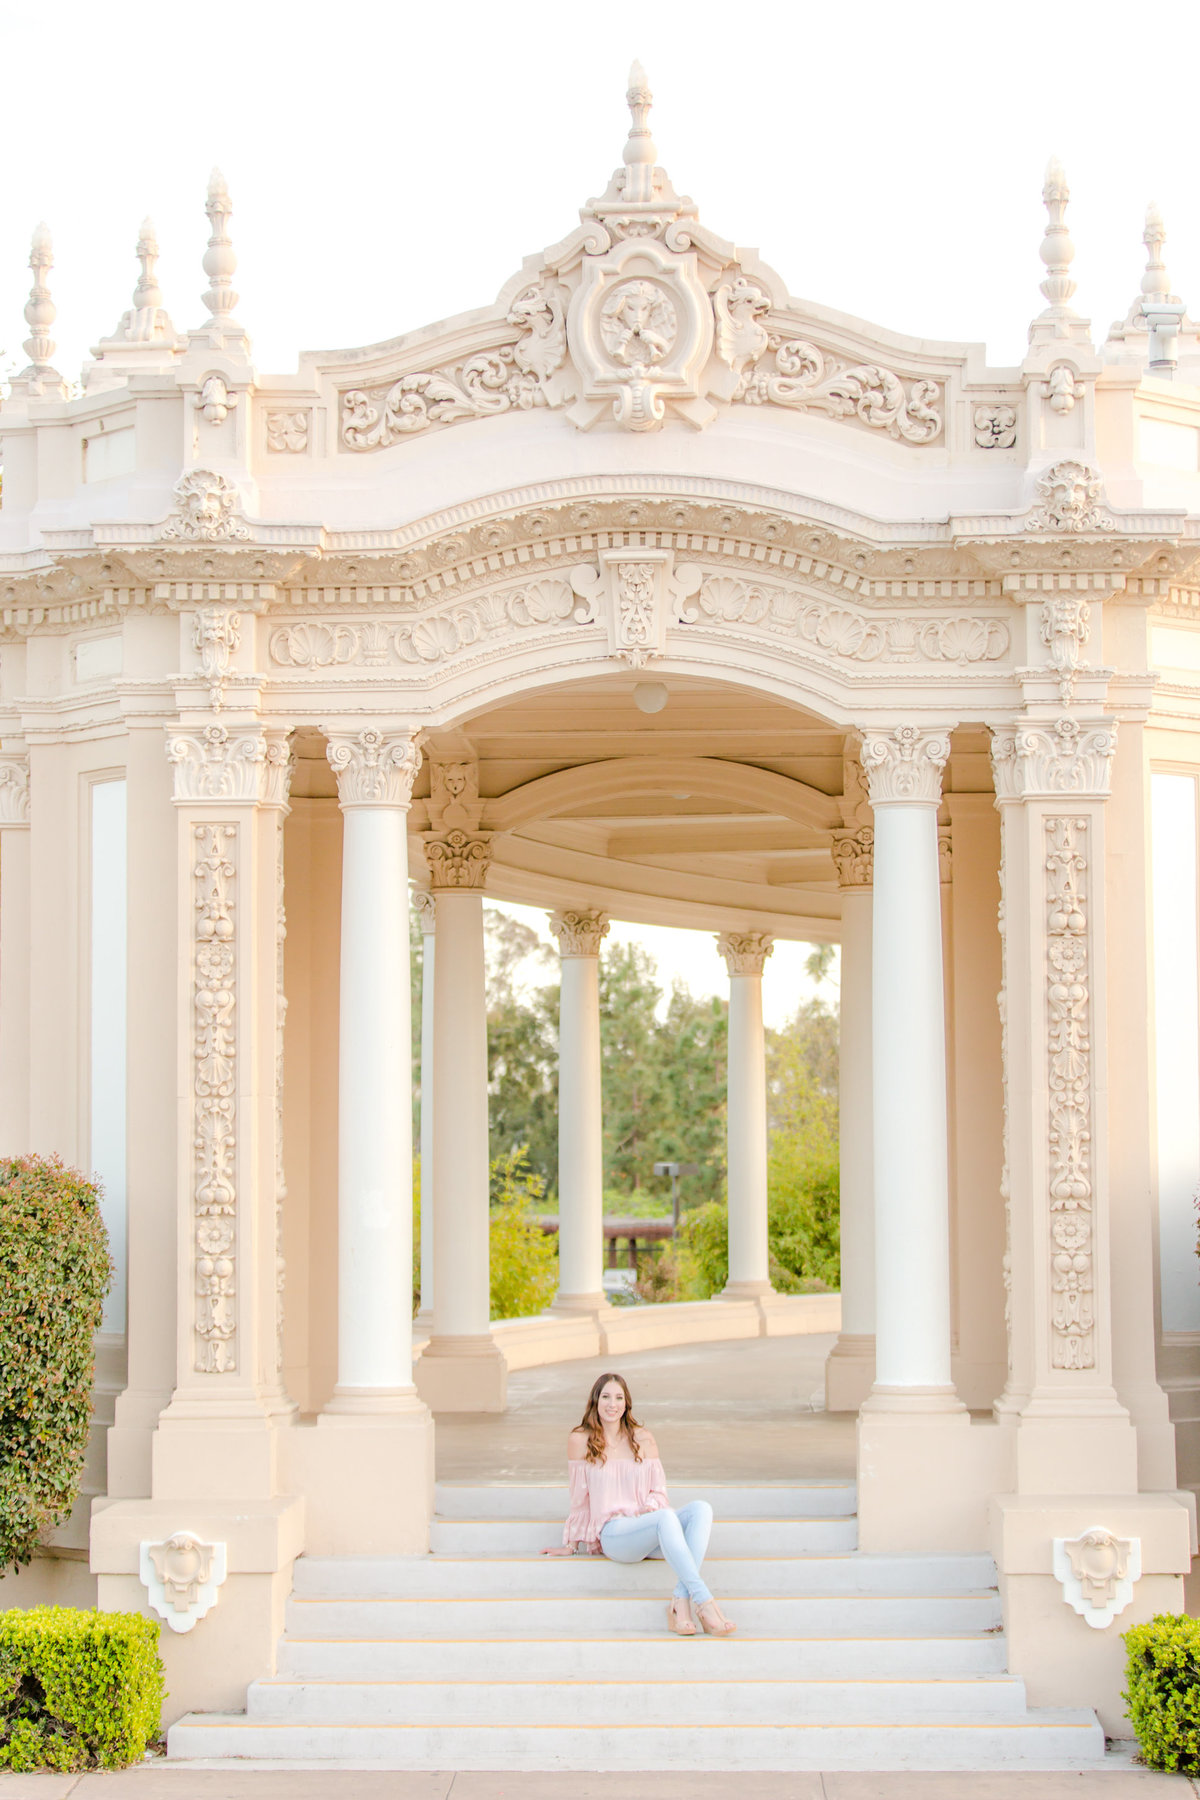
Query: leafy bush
x=1163, y=1695
x=78, y=1690
x=802, y=1233
x=524, y=1259
x=54, y=1272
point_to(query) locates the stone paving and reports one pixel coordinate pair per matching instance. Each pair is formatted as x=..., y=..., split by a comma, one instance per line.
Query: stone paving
x=747, y=1410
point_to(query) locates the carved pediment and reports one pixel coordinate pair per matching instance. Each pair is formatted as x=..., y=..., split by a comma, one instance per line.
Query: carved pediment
x=639, y=317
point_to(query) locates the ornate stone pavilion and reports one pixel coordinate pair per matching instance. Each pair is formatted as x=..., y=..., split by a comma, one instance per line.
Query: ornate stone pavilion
x=651, y=591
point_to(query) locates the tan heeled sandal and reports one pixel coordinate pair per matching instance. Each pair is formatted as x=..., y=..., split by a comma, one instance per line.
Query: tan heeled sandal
x=720, y=1626
x=678, y=1622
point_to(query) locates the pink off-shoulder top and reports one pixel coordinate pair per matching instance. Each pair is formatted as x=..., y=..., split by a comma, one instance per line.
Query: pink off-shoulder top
x=600, y=1491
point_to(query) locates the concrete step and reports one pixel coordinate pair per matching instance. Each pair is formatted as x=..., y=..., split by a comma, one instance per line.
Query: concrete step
x=730, y=1537
x=620, y=1615
x=1035, y=1741
x=576, y=1577
x=660, y=1657
x=729, y=1500
x=589, y=1702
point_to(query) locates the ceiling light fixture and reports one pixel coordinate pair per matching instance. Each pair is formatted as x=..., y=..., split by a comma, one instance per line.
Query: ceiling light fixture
x=650, y=696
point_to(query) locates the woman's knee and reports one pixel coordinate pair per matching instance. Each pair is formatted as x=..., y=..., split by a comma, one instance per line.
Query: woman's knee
x=697, y=1509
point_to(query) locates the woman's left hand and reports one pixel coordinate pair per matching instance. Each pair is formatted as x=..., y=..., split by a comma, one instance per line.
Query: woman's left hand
x=559, y=1550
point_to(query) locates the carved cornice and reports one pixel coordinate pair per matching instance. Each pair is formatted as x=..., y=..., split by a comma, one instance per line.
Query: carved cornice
x=745, y=952
x=1032, y=761
x=14, y=791
x=458, y=859
x=904, y=766
x=230, y=763
x=580, y=932
x=374, y=767
x=854, y=856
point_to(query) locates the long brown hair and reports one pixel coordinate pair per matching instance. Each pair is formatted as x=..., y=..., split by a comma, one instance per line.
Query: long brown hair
x=590, y=1421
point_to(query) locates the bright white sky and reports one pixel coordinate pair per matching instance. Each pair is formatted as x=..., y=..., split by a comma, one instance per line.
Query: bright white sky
x=392, y=163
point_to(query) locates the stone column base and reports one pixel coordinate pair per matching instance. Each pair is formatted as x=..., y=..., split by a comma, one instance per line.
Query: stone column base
x=463, y=1374
x=849, y=1371
x=745, y=1290
x=595, y=1305
x=1064, y=1660
x=366, y=1479
x=925, y=1477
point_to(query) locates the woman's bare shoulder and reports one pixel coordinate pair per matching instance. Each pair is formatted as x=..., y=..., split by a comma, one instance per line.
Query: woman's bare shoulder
x=647, y=1441
x=577, y=1443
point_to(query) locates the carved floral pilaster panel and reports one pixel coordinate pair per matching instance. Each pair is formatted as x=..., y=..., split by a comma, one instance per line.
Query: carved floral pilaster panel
x=745, y=952
x=374, y=767
x=579, y=933
x=218, y=633
x=214, y=1095
x=905, y=765
x=280, y=1022
x=1069, y=1081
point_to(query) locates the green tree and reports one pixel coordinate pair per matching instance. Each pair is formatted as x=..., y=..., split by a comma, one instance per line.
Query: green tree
x=522, y=1049
x=523, y=1259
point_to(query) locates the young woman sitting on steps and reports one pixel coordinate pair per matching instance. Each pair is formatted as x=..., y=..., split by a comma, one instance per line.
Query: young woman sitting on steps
x=620, y=1509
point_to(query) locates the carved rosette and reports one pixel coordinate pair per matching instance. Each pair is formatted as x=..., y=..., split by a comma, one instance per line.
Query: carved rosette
x=458, y=859
x=904, y=766
x=854, y=856
x=745, y=952
x=14, y=791
x=214, y=1089
x=1069, y=1080
x=374, y=767
x=579, y=933
x=219, y=763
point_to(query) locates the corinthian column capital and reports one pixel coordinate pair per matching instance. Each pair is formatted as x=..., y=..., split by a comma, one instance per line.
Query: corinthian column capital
x=904, y=765
x=854, y=855
x=374, y=767
x=457, y=859
x=579, y=933
x=14, y=790
x=235, y=762
x=745, y=952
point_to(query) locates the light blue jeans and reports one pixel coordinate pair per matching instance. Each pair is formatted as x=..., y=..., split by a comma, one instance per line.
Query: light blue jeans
x=679, y=1537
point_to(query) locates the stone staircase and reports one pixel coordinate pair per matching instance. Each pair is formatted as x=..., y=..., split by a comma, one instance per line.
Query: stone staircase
x=485, y=1655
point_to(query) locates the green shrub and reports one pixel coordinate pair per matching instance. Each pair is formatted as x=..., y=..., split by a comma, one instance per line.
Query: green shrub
x=802, y=1232
x=78, y=1690
x=523, y=1258
x=1163, y=1696
x=54, y=1271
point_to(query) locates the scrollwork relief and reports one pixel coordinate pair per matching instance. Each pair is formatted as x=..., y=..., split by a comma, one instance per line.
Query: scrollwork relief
x=458, y=859
x=1070, y=498
x=807, y=379
x=853, y=852
x=205, y=509
x=844, y=631
x=995, y=426
x=312, y=645
x=14, y=790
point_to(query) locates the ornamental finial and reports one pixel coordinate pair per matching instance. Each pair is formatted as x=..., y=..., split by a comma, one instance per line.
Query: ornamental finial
x=146, y=322
x=219, y=265
x=40, y=314
x=1155, y=281
x=1057, y=251
x=639, y=154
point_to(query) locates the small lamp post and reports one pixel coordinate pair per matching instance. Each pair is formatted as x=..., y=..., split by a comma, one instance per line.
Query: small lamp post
x=675, y=1170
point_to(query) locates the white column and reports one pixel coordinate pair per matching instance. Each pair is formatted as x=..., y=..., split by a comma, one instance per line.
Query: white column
x=427, y=913
x=745, y=952
x=912, y=1235
x=580, y=1119
x=850, y=1369
x=375, y=774
x=461, y=1370
x=14, y=954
